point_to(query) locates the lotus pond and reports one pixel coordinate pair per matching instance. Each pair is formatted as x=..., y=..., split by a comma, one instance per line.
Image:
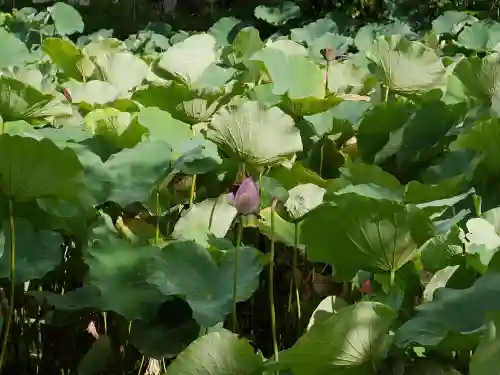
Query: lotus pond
x=318, y=201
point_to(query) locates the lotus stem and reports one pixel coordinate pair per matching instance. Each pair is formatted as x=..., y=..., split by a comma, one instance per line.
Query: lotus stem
x=295, y=269
x=141, y=365
x=12, y=281
x=193, y=192
x=193, y=184
x=271, y=286
x=158, y=213
x=236, y=266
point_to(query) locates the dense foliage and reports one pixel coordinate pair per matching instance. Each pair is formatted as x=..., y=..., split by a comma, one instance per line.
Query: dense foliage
x=215, y=203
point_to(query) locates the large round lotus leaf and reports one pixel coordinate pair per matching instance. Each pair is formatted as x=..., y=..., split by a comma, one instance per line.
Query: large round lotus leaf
x=217, y=353
x=451, y=22
x=135, y=171
x=349, y=338
x=186, y=268
x=287, y=72
x=254, y=134
x=91, y=92
x=123, y=70
x=480, y=36
x=314, y=30
x=177, y=99
x=481, y=79
x=120, y=272
x=187, y=60
x=358, y=232
x=370, y=32
x=224, y=30
x=278, y=15
x=31, y=169
x=67, y=20
x=37, y=251
x=395, y=56
x=351, y=76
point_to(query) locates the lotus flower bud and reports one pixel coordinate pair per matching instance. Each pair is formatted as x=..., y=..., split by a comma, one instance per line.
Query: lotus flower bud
x=328, y=54
x=246, y=198
x=366, y=288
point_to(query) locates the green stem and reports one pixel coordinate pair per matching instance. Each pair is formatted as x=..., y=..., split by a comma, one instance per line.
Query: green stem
x=12, y=281
x=296, y=270
x=193, y=191
x=322, y=155
x=271, y=286
x=326, y=80
x=105, y=318
x=193, y=184
x=235, y=280
x=140, y=366
x=158, y=213
x=386, y=94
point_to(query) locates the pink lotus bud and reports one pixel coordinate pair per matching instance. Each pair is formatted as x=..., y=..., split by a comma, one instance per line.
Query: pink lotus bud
x=67, y=94
x=366, y=288
x=328, y=54
x=246, y=199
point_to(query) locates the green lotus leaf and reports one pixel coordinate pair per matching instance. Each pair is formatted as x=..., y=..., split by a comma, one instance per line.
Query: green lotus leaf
x=217, y=353
x=255, y=134
x=395, y=56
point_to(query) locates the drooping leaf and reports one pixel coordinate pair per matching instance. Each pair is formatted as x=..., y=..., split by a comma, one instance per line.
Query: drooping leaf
x=21, y=101
x=69, y=58
x=326, y=308
x=217, y=353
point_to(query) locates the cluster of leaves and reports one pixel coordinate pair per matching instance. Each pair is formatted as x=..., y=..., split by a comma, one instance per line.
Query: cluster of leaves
x=380, y=166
